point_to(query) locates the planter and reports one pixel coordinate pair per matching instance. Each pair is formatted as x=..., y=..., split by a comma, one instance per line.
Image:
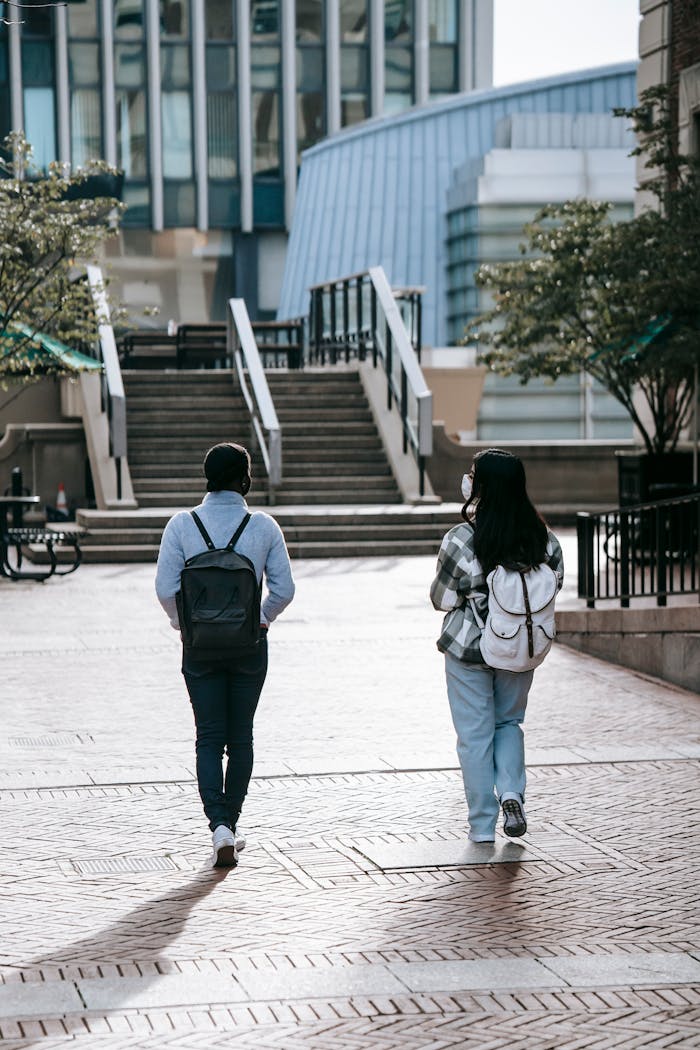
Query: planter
x=644, y=477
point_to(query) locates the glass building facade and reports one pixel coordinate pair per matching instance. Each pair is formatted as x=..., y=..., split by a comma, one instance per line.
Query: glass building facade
x=207, y=105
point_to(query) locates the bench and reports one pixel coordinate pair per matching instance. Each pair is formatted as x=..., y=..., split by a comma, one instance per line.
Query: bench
x=16, y=538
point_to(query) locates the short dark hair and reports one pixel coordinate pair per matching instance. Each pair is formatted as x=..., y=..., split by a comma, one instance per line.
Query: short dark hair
x=226, y=464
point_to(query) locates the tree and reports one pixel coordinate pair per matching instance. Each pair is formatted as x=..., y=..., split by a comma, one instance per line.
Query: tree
x=618, y=300
x=48, y=224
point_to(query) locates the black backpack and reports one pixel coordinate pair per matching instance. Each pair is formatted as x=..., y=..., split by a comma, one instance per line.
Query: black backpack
x=218, y=603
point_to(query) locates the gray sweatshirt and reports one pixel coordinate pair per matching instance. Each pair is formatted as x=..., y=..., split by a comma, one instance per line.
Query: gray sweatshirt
x=261, y=541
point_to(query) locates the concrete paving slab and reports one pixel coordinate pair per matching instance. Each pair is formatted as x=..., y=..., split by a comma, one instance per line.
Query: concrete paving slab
x=33, y=779
x=321, y=981
x=319, y=765
x=146, y=772
x=116, y=993
x=38, y=999
x=476, y=974
x=454, y=854
x=421, y=759
x=552, y=756
x=627, y=752
x=649, y=970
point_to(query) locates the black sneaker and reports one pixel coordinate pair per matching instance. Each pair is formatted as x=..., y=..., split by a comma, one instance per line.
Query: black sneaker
x=514, y=822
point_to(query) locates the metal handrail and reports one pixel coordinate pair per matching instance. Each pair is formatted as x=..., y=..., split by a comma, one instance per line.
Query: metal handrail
x=265, y=426
x=360, y=314
x=648, y=550
x=113, y=396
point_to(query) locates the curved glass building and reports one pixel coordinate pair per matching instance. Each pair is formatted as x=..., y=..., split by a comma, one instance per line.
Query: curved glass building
x=207, y=105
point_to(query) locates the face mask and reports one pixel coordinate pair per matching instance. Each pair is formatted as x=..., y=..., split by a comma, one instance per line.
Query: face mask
x=466, y=488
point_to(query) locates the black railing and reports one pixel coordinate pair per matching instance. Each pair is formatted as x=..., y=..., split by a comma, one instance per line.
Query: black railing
x=651, y=550
x=281, y=345
x=362, y=316
x=343, y=319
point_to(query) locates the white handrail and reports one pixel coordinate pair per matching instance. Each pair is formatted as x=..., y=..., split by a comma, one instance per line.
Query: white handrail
x=110, y=360
x=414, y=375
x=256, y=392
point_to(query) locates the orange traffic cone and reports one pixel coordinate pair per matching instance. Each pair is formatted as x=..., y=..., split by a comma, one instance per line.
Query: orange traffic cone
x=61, y=500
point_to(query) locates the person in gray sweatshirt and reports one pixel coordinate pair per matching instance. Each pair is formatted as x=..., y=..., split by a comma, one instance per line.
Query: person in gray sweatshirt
x=224, y=694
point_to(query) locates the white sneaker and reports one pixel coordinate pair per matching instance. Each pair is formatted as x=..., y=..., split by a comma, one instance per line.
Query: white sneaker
x=240, y=839
x=225, y=853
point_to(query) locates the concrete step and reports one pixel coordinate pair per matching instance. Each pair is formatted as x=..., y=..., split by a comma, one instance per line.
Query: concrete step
x=318, y=533
x=371, y=464
x=155, y=417
x=186, y=402
x=344, y=442
x=126, y=553
x=444, y=514
x=357, y=483
x=284, y=497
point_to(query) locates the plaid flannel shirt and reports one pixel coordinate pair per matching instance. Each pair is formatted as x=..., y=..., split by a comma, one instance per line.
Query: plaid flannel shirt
x=460, y=584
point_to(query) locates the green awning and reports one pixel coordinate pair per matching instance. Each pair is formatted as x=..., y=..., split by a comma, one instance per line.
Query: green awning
x=650, y=334
x=44, y=353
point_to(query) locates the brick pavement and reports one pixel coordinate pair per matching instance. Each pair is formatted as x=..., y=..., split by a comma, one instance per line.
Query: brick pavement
x=358, y=916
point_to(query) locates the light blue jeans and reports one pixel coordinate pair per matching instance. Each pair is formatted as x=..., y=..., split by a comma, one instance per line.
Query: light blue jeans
x=488, y=707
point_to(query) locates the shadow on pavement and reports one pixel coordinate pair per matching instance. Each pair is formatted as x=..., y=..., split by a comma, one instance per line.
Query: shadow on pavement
x=143, y=933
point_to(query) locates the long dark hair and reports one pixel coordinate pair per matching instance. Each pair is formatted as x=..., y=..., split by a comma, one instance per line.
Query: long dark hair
x=508, y=530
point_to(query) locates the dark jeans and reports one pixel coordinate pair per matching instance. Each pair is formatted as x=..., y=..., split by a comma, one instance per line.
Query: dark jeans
x=224, y=699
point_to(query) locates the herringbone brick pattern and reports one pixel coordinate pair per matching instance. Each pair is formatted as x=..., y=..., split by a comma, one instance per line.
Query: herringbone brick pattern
x=107, y=897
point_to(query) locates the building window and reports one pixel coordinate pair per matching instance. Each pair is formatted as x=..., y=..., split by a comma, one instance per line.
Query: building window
x=221, y=112
x=38, y=77
x=265, y=76
x=309, y=21
x=83, y=20
x=128, y=20
x=443, y=28
x=353, y=21
x=310, y=79
x=442, y=21
x=354, y=62
x=131, y=109
x=176, y=113
x=220, y=19
x=84, y=78
x=398, y=71
x=174, y=19
x=354, y=85
x=264, y=21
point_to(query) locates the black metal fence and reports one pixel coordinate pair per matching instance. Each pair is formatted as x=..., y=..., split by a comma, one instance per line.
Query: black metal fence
x=651, y=550
x=281, y=345
x=362, y=316
x=343, y=319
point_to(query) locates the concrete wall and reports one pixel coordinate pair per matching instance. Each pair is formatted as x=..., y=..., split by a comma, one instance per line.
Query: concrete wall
x=456, y=382
x=563, y=476
x=39, y=401
x=35, y=436
x=48, y=453
x=661, y=642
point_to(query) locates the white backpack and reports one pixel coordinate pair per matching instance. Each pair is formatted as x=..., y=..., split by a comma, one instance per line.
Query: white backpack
x=519, y=627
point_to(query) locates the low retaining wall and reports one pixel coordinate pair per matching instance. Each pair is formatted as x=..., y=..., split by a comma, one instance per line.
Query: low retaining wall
x=664, y=642
x=563, y=477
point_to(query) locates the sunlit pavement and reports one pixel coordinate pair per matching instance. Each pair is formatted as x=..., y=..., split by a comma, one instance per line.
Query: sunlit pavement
x=358, y=916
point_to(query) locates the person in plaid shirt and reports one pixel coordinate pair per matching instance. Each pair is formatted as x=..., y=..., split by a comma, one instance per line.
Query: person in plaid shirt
x=500, y=527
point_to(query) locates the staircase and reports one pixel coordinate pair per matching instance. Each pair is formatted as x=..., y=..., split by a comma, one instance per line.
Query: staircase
x=338, y=496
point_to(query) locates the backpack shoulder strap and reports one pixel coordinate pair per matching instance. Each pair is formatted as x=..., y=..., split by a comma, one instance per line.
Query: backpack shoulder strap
x=205, y=534
x=236, y=536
